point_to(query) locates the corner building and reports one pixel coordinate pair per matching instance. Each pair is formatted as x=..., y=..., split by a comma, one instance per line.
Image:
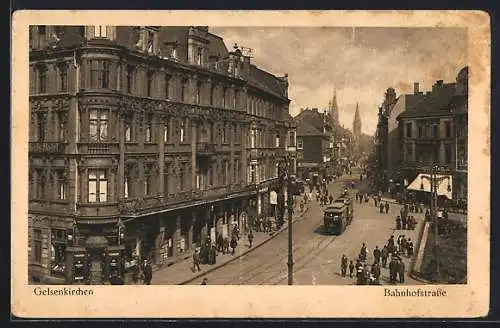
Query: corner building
x=144, y=141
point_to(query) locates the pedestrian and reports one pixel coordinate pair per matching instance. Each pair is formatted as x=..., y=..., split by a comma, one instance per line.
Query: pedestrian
x=381, y=207
x=196, y=261
x=351, y=268
x=398, y=223
x=250, y=238
x=220, y=242
x=383, y=255
x=410, y=247
x=401, y=271
x=376, y=272
x=359, y=271
x=403, y=245
x=205, y=281
x=212, y=255
x=147, y=272
x=405, y=222
x=386, y=207
x=399, y=243
x=366, y=275
x=390, y=245
x=343, y=265
x=363, y=253
x=392, y=270
x=377, y=253
x=421, y=207
x=331, y=199
x=225, y=248
x=234, y=243
x=427, y=215
x=375, y=201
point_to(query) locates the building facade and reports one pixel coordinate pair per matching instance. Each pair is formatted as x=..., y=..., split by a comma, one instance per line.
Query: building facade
x=143, y=142
x=434, y=132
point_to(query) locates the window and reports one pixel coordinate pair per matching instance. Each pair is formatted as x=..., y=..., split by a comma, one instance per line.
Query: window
x=235, y=98
x=183, y=89
x=98, y=125
x=167, y=86
x=182, y=130
x=149, y=129
x=149, y=180
x=224, y=95
x=130, y=78
x=126, y=183
x=199, y=56
x=435, y=131
x=447, y=154
x=166, y=180
x=42, y=80
x=420, y=131
x=447, y=125
x=58, y=240
x=236, y=70
x=37, y=240
x=41, y=125
x=63, y=78
x=128, y=190
x=98, y=186
x=300, y=143
x=62, y=185
x=40, y=184
x=253, y=176
x=292, y=139
x=224, y=133
x=99, y=74
x=408, y=130
x=277, y=141
x=166, y=135
x=100, y=31
x=252, y=138
x=236, y=165
x=150, y=48
x=198, y=93
x=62, y=119
x=128, y=130
x=212, y=92
x=224, y=172
x=150, y=84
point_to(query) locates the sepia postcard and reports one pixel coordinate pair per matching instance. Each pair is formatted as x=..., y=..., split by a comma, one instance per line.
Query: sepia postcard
x=250, y=164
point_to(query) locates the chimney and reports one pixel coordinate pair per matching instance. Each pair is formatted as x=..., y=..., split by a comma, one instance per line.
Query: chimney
x=416, y=88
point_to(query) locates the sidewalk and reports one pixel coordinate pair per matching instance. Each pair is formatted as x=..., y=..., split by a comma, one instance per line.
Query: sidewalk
x=181, y=272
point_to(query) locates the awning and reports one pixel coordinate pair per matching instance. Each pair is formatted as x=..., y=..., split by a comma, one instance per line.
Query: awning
x=442, y=189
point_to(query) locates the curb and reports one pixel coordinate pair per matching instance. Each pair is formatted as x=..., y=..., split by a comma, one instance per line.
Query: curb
x=422, y=241
x=246, y=252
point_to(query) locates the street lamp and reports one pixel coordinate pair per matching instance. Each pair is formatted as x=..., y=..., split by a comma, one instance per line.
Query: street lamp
x=286, y=182
x=435, y=181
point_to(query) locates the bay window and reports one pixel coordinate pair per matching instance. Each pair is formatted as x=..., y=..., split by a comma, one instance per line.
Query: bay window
x=100, y=31
x=98, y=125
x=99, y=74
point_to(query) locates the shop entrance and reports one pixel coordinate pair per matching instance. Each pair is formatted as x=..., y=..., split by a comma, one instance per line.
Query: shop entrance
x=95, y=267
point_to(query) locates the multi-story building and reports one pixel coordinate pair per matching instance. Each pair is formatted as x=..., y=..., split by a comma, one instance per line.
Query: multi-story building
x=434, y=132
x=143, y=141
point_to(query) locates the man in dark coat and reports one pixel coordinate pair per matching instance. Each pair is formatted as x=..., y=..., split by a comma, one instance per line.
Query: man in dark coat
x=233, y=244
x=147, y=272
x=220, y=243
x=250, y=238
x=376, y=272
x=405, y=222
x=331, y=199
x=343, y=265
x=383, y=255
x=196, y=261
x=398, y=223
x=377, y=253
x=386, y=207
x=401, y=271
x=393, y=269
x=381, y=207
x=212, y=254
x=351, y=268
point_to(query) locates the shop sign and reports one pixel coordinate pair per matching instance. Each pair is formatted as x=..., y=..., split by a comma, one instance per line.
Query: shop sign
x=273, y=198
x=212, y=234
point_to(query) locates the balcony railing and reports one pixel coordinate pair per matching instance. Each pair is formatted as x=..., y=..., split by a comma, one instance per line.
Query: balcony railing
x=205, y=149
x=97, y=148
x=47, y=147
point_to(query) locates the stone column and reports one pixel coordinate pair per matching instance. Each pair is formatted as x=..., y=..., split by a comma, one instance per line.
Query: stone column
x=177, y=235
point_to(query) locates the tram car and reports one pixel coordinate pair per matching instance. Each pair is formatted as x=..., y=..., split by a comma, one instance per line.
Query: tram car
x=335, y=218
x=348, y=202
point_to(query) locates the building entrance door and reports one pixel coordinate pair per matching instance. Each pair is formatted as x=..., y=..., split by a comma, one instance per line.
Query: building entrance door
x=95, y=269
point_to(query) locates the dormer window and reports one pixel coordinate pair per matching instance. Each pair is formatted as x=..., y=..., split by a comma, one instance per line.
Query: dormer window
x=150, y=45
x=100, y=31
x=199, y=56
x=173, y=54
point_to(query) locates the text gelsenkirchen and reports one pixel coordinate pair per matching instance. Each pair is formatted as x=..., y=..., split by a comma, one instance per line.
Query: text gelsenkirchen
x=65, y=291
x=420, y=292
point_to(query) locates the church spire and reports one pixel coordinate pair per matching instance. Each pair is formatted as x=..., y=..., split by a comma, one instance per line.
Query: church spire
x=333, y=107
x=356, y=124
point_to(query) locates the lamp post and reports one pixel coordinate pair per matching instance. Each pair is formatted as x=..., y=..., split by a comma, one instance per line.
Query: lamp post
x=287, y=183
x=435, y=181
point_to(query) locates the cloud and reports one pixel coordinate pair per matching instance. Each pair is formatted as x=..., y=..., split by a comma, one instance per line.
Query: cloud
x=360, y=63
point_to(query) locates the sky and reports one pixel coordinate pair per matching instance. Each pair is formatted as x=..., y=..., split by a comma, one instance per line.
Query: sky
x=359, y=62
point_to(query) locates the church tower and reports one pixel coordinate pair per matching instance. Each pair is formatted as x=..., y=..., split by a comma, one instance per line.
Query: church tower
x=333, y=108
x=356, y=125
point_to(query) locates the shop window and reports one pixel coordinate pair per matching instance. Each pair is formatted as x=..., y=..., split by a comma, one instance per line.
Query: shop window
x=98, y=125
x=37, y=245
x=98, y=186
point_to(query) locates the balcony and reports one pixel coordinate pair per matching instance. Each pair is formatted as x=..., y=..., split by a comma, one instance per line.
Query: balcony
x=44, y=147
x=98, y=148
x=205, y=149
